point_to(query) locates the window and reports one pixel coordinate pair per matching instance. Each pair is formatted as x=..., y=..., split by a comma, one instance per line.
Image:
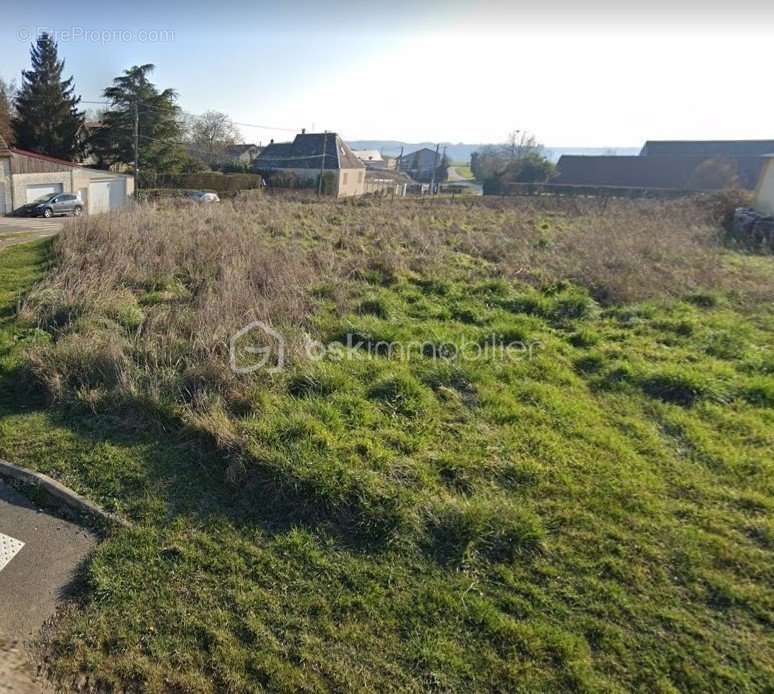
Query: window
x=65, y=198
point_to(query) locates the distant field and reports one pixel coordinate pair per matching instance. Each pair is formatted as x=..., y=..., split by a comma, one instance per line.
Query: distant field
x=464, y=170
x=589, y=510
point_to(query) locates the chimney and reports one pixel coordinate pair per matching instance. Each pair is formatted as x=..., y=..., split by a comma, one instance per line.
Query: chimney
x=271, y=142
x=303, y=131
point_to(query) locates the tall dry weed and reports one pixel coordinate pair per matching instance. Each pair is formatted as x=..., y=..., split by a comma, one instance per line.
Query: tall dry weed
x=159, y=290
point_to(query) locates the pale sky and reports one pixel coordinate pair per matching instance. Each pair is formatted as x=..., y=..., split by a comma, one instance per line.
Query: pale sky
x=602, y=74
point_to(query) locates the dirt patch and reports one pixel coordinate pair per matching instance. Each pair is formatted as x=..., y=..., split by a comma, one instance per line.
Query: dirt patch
x=17, y=674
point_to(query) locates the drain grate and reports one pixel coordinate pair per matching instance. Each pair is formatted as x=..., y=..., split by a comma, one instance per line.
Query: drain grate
x=9, y=548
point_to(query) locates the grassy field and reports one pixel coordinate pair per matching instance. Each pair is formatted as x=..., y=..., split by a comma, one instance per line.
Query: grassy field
x=589, y=511
x=464, y=170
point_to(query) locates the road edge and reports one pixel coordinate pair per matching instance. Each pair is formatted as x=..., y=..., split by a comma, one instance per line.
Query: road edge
x=59, y=493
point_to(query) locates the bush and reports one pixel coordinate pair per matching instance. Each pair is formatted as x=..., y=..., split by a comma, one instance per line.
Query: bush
x=212, y=181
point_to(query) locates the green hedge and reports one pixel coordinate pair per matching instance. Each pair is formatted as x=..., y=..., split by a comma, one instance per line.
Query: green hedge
x=211, y=180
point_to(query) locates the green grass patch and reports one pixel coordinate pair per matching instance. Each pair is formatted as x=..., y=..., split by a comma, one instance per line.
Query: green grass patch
x=592, y=515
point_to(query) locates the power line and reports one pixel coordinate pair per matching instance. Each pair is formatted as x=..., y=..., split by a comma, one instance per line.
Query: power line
x=107, y=103
x=267, y=160
x=244, y=125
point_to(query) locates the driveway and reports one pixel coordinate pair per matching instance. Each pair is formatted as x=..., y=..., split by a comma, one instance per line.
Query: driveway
x=39, y=558
x=15, y=230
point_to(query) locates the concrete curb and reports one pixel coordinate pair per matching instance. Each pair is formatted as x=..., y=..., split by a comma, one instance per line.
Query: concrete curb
x=59, y=493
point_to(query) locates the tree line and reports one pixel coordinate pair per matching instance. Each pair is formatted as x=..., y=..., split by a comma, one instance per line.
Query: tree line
x=44, y=115
x=520, y=159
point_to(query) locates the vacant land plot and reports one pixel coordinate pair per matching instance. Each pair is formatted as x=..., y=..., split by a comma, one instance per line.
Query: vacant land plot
x=589, y=509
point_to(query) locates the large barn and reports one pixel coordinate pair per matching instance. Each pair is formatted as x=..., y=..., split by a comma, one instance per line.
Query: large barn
x=687, y=173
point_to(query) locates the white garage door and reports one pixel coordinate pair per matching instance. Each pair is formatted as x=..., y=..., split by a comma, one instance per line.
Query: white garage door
x=106, y=195
x=39, y=190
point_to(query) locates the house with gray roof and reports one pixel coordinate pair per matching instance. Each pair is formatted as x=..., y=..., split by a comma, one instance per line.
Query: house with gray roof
x=707, y=148
x=663, y=172
x=420, y=164
x=311, y=154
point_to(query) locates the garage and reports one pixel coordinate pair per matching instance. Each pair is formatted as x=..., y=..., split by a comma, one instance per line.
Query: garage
x=27, y=176
x=35, y=192
x=106, y=195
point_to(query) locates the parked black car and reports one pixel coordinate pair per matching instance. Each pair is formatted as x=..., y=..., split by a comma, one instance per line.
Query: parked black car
x=52, y=205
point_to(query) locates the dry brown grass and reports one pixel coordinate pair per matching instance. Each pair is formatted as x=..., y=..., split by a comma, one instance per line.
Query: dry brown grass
x=144, y=301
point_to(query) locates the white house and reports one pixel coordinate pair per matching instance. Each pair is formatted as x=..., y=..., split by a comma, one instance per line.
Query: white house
x=312, y=154
x=26, y=176
x=764, y=192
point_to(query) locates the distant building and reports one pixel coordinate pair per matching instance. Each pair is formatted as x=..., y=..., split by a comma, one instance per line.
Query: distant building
x=370, y=157
x=241, y=154
x=312, y=153
x=707, y=148
x=689, y=173
x=420, y=164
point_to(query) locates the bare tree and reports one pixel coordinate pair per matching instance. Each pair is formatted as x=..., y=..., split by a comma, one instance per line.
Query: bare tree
x=520, y=159
x=211, y=133
x=519, y=144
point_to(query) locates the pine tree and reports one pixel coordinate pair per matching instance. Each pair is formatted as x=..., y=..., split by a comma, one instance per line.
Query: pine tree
x=160, y=128
x=47, y=119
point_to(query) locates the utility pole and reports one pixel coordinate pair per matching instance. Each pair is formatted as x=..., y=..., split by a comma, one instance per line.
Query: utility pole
x=322, y=163
x=435, y=166
x=136, y=144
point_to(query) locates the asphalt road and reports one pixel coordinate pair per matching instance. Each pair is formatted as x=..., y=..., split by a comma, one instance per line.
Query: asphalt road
x=15, y=230
x=36, y=575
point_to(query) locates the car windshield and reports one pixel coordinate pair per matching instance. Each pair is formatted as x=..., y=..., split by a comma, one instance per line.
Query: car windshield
x=46, y=197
